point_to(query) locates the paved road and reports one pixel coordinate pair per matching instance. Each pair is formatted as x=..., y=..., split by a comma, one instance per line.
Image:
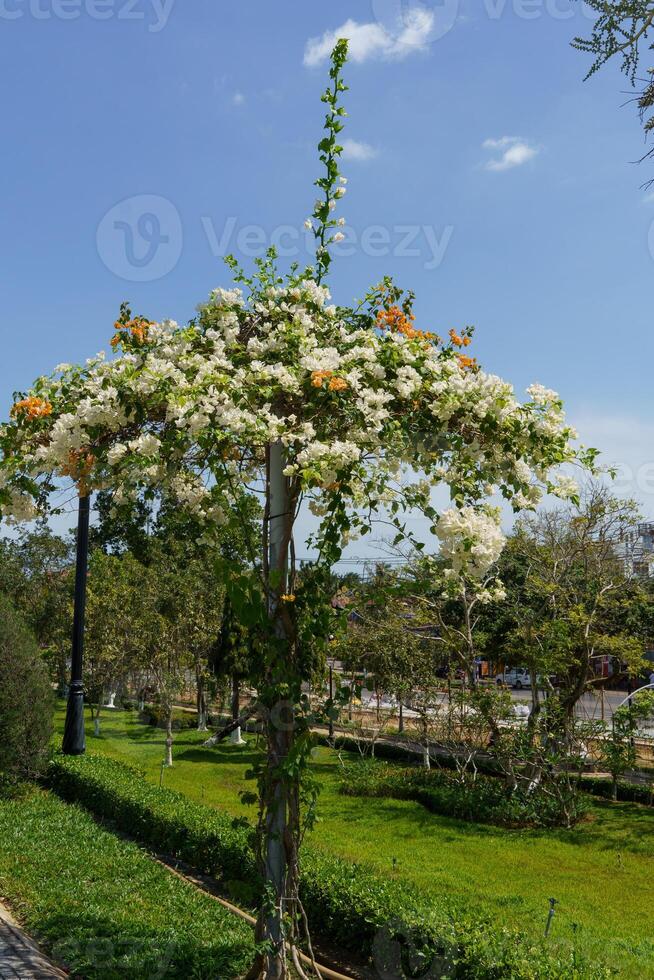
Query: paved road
x=588, y=707
x=20, y=957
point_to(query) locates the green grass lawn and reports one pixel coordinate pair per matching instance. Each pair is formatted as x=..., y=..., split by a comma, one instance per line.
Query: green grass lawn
x=602, y=872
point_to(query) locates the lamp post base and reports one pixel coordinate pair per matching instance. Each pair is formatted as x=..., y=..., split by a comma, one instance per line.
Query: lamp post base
x=74, y=742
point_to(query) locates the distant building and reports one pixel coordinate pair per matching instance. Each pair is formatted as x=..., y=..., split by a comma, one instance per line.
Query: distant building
x=636, y=549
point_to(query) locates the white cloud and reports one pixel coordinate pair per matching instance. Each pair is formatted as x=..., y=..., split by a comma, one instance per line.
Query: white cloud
x=354, y=150
x=372, y=41
x=649, y=198
x=509, y=152
x=238, y=98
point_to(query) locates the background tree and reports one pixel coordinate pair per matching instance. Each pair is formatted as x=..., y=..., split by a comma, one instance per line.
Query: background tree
x=121, y=623
x=621, y=31
x=36, y=575
x=155, y=532
x=568, y=597
x=619, y=753
x=234, y=659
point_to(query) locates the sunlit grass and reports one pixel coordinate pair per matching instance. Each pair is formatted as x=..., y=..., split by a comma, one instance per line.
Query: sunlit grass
x=601, y=873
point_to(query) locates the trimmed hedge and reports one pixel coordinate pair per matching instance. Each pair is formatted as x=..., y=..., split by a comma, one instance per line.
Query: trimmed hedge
x=102, y=907
x=396, y=752
x=627, y=792
x=346, y=903
x=485, y=799
x=153, y=715
x=164, y=819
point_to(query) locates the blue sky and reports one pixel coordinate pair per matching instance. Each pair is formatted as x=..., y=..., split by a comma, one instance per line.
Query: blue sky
x=485, y=175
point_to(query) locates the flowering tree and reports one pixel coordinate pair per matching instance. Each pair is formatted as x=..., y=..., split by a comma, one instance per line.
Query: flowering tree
x=270, y=387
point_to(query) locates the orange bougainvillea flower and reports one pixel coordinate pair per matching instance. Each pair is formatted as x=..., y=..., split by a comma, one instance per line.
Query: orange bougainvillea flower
x=458, y=340
x=79, y=467
x=318, y=377
x=32, y=408
x=287, y=598
x=138, y=328
x=466, y=362
x=397, y=321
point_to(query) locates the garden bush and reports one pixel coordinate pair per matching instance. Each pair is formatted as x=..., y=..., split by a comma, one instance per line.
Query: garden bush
x=155, y=716
x=396, y=752
x=348, y=904
x=26, y=699
x=483, y=799
x=627, y=792
x=105, y=909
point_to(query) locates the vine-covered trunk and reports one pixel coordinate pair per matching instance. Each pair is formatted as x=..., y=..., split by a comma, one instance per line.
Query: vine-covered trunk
x=277, y=857
x=279, y=813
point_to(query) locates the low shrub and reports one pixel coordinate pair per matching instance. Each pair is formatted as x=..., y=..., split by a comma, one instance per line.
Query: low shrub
x=627, y=792
x=348, y=904
x=397, y=752
x=484, y=799
x=26, y=700
x=153, y=715
x=102, y=907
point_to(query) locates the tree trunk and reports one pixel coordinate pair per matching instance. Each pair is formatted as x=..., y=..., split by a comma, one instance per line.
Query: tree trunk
x=201, y=698
x=235, y=736
x=614, y=792
x=95, y=716
x=426, y=760
x=279, y=868
x=226, y=730
x=168, y=761
x=276, y=857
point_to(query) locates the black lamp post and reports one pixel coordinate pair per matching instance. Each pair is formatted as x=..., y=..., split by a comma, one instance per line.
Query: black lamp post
x=74, y=742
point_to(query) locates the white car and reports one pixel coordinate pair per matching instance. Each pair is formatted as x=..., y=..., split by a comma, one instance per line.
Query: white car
x=518, y=677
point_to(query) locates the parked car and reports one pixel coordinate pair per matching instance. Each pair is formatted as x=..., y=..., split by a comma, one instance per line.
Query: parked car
x=517, y=677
